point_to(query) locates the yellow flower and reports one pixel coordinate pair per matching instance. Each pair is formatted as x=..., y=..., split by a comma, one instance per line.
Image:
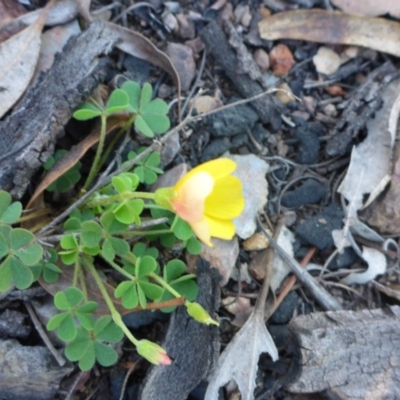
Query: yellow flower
x=208, y=198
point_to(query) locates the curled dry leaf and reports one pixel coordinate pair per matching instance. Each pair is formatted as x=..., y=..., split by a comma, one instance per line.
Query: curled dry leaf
x=333, y=27
x=372, y=8
x=376, y=266
x=18, y=58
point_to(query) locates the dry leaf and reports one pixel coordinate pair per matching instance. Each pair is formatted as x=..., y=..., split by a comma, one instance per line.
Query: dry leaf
x=390, y=290
x=372, y=8
x=376, y=266
x=333, y=27
x=240, y=358
x=73, y=156
x=18, y=58
x=9, y=10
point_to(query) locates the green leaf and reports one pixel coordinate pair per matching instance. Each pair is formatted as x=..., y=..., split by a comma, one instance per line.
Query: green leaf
x=86, y=363
x=151, y=290
x=5, y=201
x=67, y=330
x=105, y=355
x=194, y=246
x=22, y=275
x=12, y=213
x=157, y=123
x=69, y=242
x=56, y=321
x=127, y=291
x=145, y=96
x=147, y=264
x=6, y=279
x=120, y=184
x=3, y=246
x=142, y=127
x=24, y=246
x=72, y=224
x=118, y=101
x=133, y=90
x=86, y=111
x=182, y=229
x=107, y=330
x=128, y=211
x=140, y=249
x=91, y=233
x=173, y=270
x=142, y=297
x=86, y=320
x=78, y=348
x=111, y=224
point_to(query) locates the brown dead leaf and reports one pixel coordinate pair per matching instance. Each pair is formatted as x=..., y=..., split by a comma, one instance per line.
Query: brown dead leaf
x=333, y=27
x=18, y=58
x=373, y=8
x=9, y=10
x=73, y=156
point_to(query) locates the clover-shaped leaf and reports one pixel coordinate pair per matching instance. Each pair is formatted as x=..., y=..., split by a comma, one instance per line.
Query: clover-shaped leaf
x=88, y=346
x=91, y=233
x=9, y=212
x=128, y=211
x=133, y=90
x=118, y=101
x=87, y=111
x=147, y=168
x=47, y=268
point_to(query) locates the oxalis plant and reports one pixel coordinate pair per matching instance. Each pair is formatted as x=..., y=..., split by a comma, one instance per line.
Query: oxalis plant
x=114, y=231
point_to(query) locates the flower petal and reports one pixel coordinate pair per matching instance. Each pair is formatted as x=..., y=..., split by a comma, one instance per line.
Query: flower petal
x=191, y=195
x=220, y=228
x=202, y=231
x=226, y=200
x=216, y=168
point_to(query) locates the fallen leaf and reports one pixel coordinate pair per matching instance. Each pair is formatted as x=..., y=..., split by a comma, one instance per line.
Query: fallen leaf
x=239, y=360
x=18, y=58
x=251, y=171
x=372, y=8
x=10, y=10
x=376, y=266
x=333, y=27
x=73, y=156
x=392, y=291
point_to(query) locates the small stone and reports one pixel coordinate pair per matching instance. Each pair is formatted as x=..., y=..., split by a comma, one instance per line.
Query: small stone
x=281, y=59
x=164, y=91
x=309, y=145
x=170, y=177
x=203, y=104
x=285, y=311
x=235, y=305
x=222, y=256
x=256, y=242
x=285, y=95
x=310, y=103
x=215, y=149
x=261, y=58
x=186, y=28
x=171, y=22
x=335, y=90
x=196, y=45
x=349, y=53
x=246, y=19
x=330, y=110
x=170, y=149
x=326, y=61
x=182, y=59
x=265, y=12
x=240, y=11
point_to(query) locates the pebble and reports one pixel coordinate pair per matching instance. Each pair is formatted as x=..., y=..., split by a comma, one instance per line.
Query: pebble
x=335, y=90
x=317, y=230
x=310, y=192
x=309, y=145
x=232, y=121
x=182, y=58
x=326, y=61
x=281, y=59
x=330, y=110
x=205, y=103
x=170, y=177
x=196, y=45
x=164, y=91
x=235, y=305
x=170, y=149
x=222, y=256
x=285, y=95
x=256, y=242
x=344, y=260
x=171, y=22
x=261, y=58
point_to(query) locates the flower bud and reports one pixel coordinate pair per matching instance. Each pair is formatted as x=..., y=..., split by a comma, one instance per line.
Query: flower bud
x=153, y=353
x=197, y=312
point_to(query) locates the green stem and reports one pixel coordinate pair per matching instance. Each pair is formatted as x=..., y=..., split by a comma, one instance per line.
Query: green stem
x=164, y=284
x=116, y=138
x=100, y=146
x=119, y=197
x=116, y=316
x=121, y=270
x=77, y=268
x=130, y=234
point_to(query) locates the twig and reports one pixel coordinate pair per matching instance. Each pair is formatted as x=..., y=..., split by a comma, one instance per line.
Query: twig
x=326, y=300
x=128, y=374
x=61, y=361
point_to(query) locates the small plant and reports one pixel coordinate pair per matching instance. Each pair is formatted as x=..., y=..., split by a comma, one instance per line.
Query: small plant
x=116, y=228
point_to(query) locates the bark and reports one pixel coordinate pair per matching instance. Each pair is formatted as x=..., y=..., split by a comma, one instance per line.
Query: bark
x=28, y=135
x=351, y=355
